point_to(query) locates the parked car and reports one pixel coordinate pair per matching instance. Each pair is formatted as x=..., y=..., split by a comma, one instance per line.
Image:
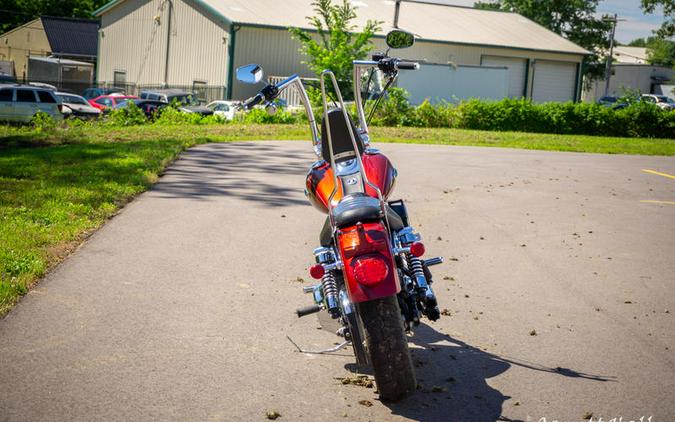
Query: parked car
x=104, y=102
x=43, y=85
x=149, y=107
x=20, y=103
x=187, y=100
x=607, y=100
x=91, y=93
x=661, y=101
x=78, y=106
x=223, y=109
x=7, y=79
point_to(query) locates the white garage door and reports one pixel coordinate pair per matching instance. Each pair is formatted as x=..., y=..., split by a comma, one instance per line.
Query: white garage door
x=554, y=81
x=517, y=72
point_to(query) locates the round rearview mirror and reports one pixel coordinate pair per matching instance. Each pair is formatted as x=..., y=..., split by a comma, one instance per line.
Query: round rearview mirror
x=250, y=74
x=399, y=38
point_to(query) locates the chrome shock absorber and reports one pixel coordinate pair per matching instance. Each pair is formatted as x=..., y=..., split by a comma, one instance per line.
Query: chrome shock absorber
x=430, y=303
x=406, y=238
x=330, y=293
x=326, y=257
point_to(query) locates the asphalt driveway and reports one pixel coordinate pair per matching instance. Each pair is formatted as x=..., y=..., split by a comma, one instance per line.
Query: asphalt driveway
x=559, y=281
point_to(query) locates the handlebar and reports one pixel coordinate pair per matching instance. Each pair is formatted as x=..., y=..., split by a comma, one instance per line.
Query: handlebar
x=253, y=101
x=404, y=65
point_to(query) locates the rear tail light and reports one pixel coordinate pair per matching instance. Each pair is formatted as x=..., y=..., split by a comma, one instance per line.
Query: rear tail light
x=361, y=240
x=370, y=269
x=317, y=271
x=367, y=262
x=417, y=249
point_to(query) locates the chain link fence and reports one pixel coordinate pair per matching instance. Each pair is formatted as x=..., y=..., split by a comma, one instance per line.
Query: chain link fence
x=205, y=93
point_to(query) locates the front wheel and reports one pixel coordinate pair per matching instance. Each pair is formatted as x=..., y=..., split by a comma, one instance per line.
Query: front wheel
x=387, y=348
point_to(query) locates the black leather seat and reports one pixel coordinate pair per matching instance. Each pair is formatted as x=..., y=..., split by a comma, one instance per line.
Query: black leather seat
x=356, y=208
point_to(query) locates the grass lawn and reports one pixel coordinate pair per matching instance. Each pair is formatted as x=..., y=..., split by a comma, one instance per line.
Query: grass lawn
x=58, y=186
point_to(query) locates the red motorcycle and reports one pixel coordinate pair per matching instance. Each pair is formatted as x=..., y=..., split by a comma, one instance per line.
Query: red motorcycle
x=374, y=282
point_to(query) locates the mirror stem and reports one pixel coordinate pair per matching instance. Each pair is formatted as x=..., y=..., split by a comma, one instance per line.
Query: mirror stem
x=397, y=10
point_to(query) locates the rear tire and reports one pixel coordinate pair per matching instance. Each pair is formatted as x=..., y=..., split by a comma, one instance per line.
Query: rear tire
x=388, y=348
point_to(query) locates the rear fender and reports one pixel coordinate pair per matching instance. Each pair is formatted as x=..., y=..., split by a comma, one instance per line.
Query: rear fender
x=360, y=242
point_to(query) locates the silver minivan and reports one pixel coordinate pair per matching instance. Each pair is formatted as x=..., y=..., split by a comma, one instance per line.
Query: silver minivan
x=20, y=103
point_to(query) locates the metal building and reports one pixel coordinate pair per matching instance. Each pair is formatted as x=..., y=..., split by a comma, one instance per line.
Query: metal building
x=200, y=42
x=631, y=71
x=47, y=36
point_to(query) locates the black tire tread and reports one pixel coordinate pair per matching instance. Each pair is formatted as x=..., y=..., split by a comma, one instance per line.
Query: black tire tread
x=388, y=348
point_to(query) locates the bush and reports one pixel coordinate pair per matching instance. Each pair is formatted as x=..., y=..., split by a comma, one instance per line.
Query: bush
x=171, y=115
x=129, y=115
x=43, y=122
x=260, y=116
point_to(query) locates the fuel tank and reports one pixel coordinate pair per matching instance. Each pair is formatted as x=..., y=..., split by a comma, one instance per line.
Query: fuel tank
x=378, y=169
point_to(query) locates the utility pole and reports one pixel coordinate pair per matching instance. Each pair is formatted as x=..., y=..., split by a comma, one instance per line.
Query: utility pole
x=168, y=43
x=397, y=10
x=608, y=67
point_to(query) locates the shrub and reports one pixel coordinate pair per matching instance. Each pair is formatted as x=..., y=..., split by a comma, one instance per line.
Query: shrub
x=43, y=122
x=394, y=109
x=260, y=116
x=129, y=115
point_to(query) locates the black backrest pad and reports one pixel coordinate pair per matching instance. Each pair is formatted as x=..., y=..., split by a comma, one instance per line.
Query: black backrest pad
x=342, y=142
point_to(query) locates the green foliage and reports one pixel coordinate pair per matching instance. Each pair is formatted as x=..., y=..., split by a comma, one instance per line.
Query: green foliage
x=394, y=109
x=336, y=43
x=575, y=20
x=18, y=12
x=668, y=6
x=661, y=52
x=129, y=115
x=260, y=116
x=43, y=122
x=640, y=119
x=171, y=115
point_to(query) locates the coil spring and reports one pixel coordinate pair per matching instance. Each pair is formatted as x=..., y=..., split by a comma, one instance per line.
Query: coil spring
x=330, y=290
x=415, y=265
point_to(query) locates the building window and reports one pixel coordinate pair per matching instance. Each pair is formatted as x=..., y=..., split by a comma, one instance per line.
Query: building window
x=199, y=88
x=120, y=78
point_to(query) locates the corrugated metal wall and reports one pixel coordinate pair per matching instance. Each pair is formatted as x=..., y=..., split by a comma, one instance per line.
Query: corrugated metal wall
x=273, y=49
x=199, y=47
x=133, y=39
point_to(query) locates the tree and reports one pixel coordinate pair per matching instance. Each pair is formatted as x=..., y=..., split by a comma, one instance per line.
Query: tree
x=668, y=26
x=18, y=12
x=638, y=42
x=575, y=20
x=661, y=52
x=336, y=43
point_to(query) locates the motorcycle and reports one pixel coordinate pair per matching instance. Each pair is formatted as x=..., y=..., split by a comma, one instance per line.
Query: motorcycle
x=373, y=279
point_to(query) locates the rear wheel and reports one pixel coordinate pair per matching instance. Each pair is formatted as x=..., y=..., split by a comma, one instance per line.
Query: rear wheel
x=387, y=347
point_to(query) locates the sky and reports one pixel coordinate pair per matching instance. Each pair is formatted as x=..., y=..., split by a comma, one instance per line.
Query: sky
x=636, y=24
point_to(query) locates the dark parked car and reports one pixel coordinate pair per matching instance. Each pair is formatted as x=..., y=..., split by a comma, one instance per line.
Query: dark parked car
x=149, y=107
x=90, y=93
x=187, y=100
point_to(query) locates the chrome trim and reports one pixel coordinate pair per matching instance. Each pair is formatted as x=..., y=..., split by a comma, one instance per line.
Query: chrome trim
x=352, y=135
x=433, y=261
x=344, y=168
x=360, y=65
x=295, y=81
